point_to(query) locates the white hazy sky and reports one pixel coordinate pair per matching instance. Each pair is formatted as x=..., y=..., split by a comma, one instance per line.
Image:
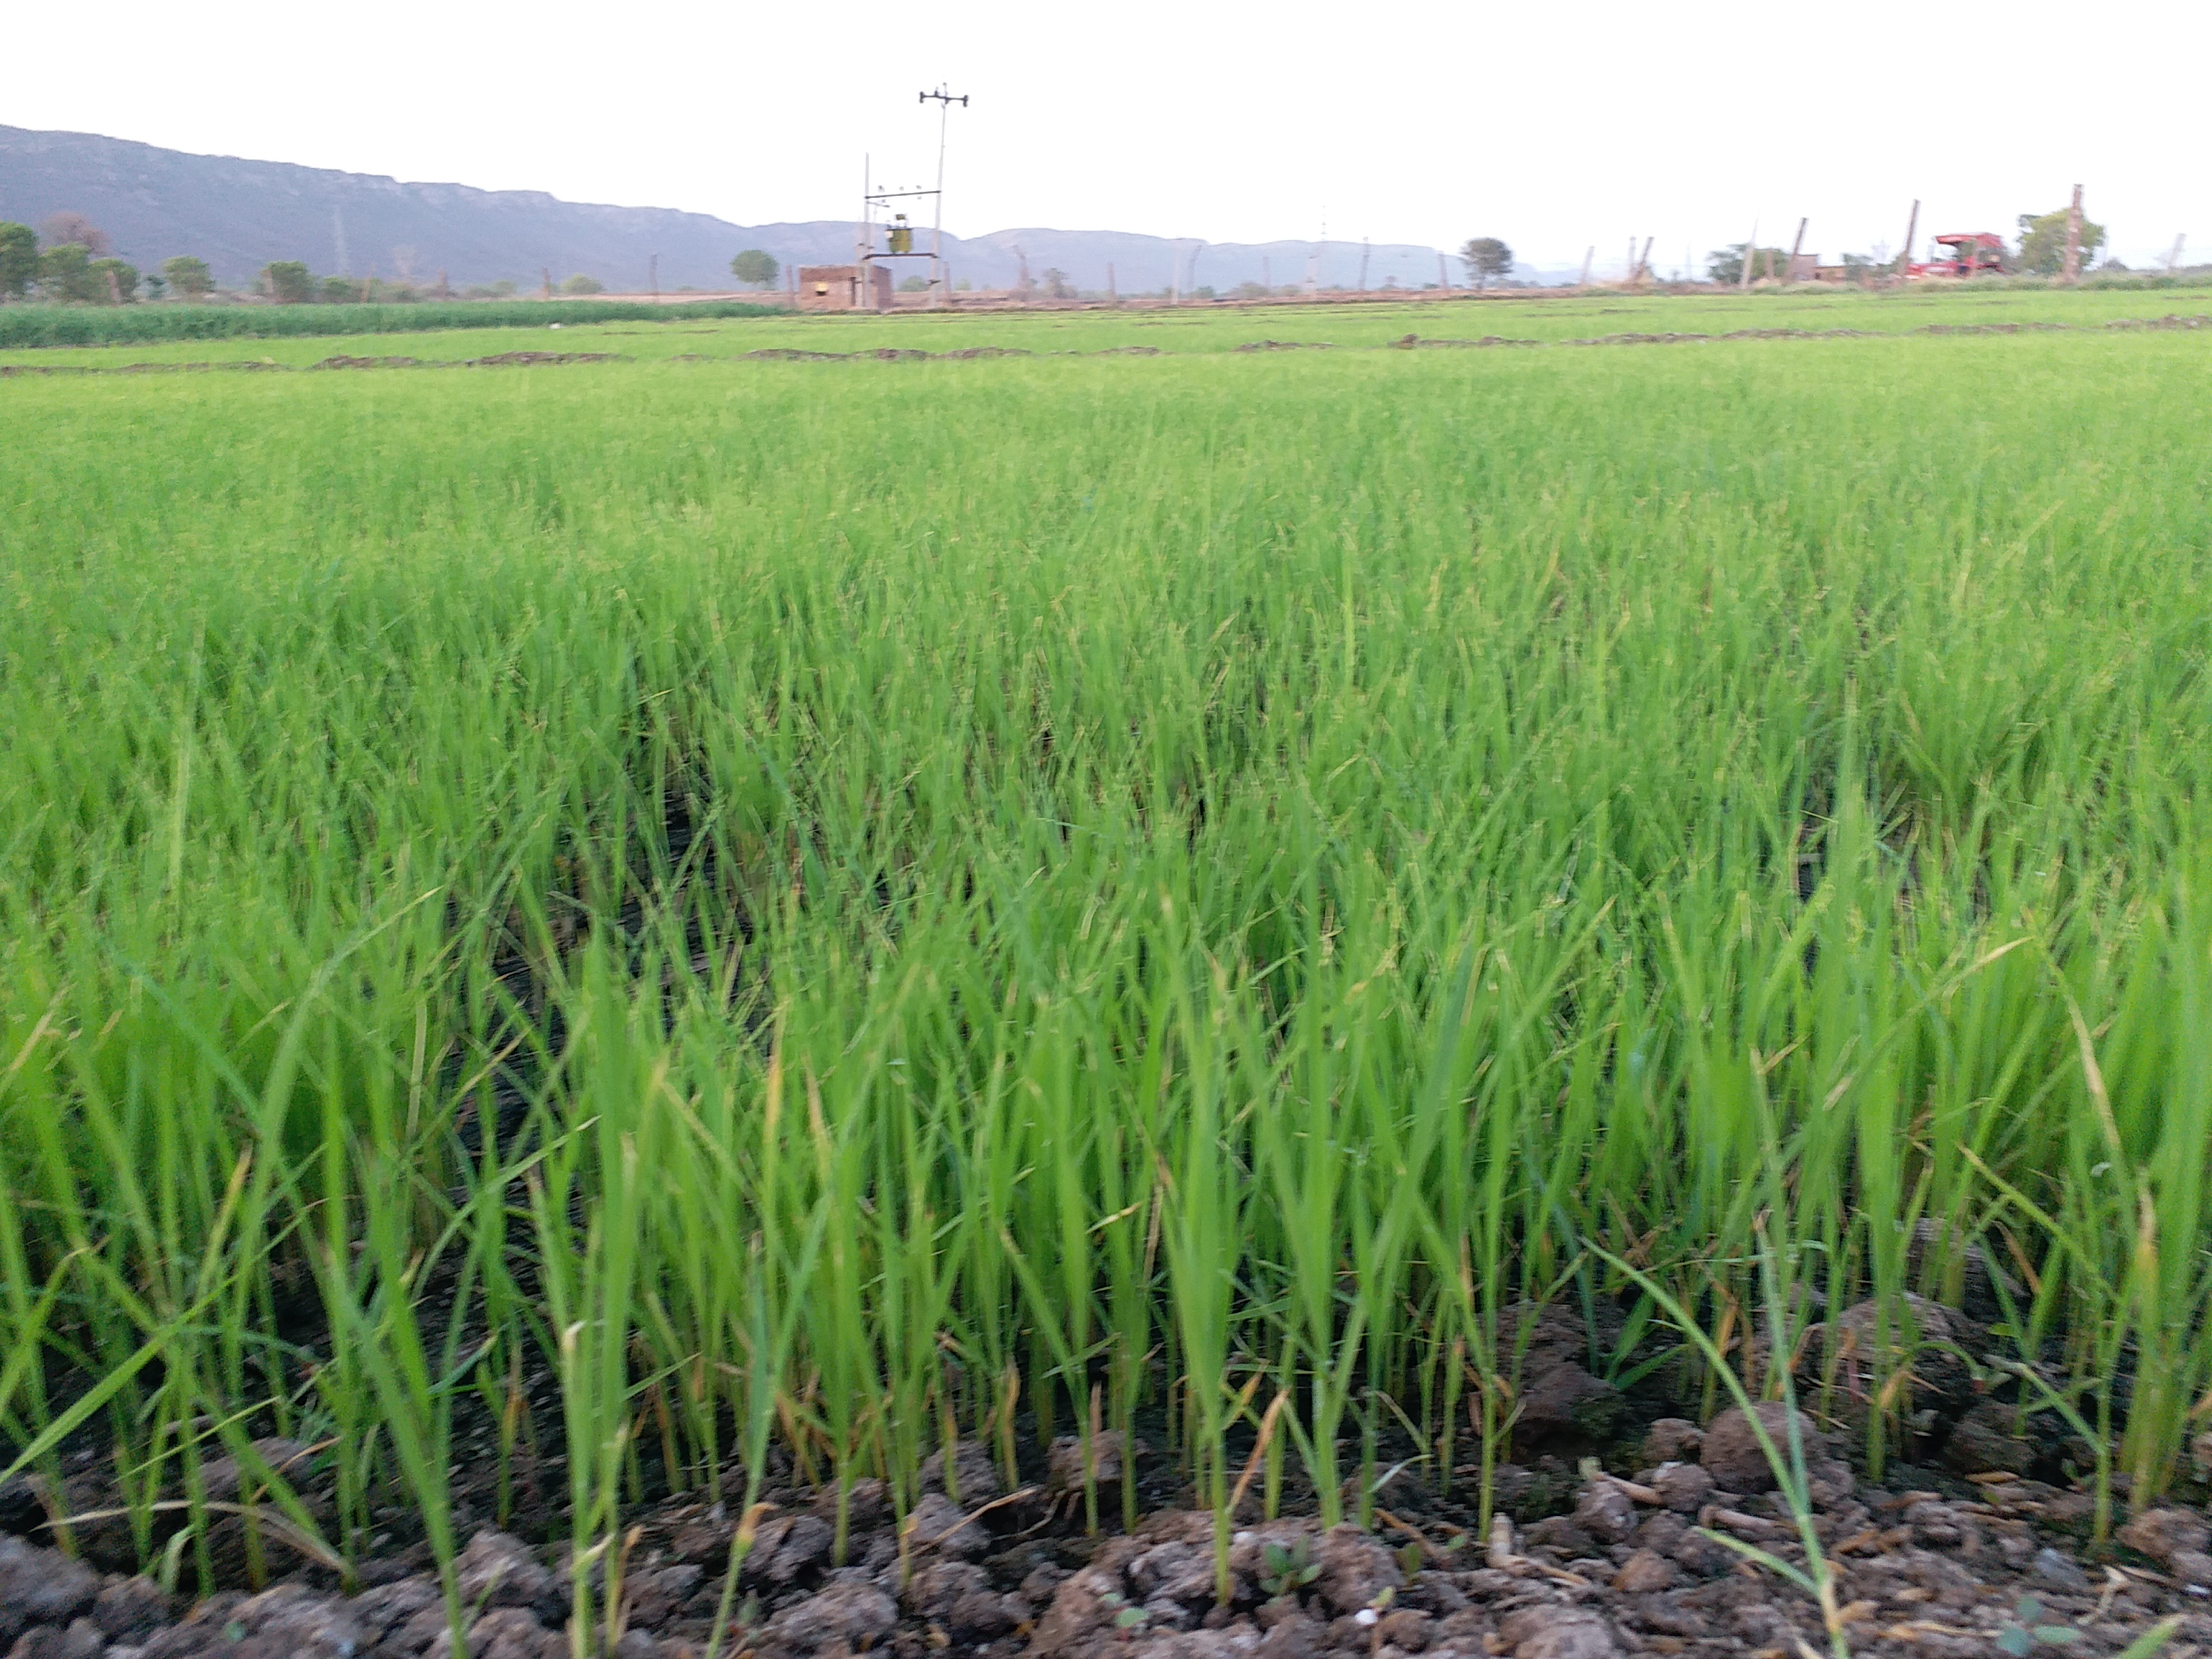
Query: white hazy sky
x=1554, y=126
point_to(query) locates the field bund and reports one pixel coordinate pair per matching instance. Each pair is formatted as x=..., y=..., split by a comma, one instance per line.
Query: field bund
x=672, y=913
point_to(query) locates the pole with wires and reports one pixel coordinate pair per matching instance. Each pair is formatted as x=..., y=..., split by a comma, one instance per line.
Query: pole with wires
x=944, y=102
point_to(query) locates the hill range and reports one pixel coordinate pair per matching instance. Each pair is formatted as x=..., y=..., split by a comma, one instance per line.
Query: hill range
x=241, y=214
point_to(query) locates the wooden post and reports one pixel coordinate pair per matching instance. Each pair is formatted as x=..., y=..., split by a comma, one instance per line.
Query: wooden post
x=1583, y=287
x=1795, y=248
x=1750, y=253
x=2074, y=238
x=1911, y=229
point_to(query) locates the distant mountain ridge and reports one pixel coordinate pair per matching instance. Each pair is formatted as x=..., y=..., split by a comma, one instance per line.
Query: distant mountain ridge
x=241, y=214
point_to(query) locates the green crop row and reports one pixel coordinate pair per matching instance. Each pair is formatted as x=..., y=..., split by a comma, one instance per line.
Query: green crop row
x=1018, y=898
x=36, y=325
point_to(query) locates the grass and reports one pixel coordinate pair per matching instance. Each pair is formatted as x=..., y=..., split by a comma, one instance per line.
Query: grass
x=1032, y=897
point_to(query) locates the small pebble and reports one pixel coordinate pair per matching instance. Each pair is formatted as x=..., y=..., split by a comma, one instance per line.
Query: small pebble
x=2057, y=1568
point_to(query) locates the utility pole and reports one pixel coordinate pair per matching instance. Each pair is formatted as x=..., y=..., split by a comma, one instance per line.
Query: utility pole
x=1112, y=298
x=1750, y=253
x=1795, y=248
x=1443, y=272
x=1364, y=251
x=944, y=102
x=1583, y=287
x=1911, y=229
x=2074, y=238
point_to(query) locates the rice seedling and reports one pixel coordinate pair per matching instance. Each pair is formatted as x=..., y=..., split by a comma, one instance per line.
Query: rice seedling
x=823, y=913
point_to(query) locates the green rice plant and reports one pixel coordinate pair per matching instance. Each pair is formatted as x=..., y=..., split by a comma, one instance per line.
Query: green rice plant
x=819, y=908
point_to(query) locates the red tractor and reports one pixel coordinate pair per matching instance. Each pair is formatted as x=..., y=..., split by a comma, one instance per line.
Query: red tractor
x=1972, y=253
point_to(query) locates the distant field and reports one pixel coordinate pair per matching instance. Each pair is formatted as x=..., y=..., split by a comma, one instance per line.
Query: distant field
x=674, y=912
x=1194, y=329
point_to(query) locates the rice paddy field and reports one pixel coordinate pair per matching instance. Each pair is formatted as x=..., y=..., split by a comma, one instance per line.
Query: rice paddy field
x=681, y=916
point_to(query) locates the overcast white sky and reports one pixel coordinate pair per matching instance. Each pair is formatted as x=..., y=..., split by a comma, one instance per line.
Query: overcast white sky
x=1552, y=125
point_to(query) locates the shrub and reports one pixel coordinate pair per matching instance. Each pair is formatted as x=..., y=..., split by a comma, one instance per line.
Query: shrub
x=188, y=276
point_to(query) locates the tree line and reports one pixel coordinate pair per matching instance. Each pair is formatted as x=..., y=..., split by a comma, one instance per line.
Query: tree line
x=69, y=260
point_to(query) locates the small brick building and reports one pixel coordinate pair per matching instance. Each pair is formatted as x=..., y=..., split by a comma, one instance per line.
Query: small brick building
x=834, y=287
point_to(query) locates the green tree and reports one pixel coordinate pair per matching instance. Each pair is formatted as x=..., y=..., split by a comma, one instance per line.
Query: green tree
x=580, y=283
x=114, y=282
x=755, y=269
x=341, y=291
x=1725, y=265
x=18, y=259
x=1486, y=257
x=2042, y=242
x=65, y=274
x=288, y=281
x=1056, y=285
x=188, y=275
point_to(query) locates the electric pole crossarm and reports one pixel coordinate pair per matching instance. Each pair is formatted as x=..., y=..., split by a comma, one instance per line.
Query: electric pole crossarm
x=944, y=102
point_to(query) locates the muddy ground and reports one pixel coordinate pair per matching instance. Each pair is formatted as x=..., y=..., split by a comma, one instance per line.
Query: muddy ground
x=1580, y=1565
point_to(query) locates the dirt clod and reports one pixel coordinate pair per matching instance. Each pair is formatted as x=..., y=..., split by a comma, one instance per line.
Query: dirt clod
x=1732, y=1454
x=1554, y=1632
x=497, y=1570
x=2162, y=1534
x=848, y=1616
x=1606, y=1512
x=40, y=1587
